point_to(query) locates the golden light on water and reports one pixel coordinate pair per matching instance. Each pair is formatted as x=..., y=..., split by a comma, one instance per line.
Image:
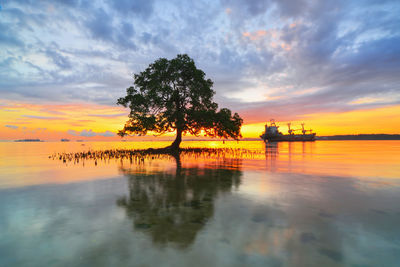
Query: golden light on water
x=29, y=163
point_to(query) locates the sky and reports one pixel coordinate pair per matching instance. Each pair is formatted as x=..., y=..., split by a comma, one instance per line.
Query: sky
x=334, y=65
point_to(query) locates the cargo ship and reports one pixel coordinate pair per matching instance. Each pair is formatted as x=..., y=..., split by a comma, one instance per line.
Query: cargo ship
x=272, y=134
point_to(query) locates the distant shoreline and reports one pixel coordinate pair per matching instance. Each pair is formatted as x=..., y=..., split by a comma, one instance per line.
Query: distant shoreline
x=28, y=140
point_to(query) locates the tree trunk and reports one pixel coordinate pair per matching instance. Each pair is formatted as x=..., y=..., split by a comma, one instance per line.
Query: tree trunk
x=178, y=140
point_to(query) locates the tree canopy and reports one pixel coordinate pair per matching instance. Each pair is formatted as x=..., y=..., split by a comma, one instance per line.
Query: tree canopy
x=174, y=95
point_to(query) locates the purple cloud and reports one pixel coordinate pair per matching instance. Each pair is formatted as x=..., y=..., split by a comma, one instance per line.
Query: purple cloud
x=14, y=127
x=90, y=133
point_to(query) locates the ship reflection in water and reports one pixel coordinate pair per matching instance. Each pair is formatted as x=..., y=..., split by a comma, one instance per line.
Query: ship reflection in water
x=324, y=203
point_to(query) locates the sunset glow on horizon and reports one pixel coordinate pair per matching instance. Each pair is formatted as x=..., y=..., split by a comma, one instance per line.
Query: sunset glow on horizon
x=102, y=122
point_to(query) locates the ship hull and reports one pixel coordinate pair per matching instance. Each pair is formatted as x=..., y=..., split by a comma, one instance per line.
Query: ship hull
x=289, y=138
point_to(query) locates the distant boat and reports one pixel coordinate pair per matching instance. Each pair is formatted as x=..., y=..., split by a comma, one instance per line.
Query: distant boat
x=79, y=140
x=272, y=134
x=65, y=140
x=28, y=140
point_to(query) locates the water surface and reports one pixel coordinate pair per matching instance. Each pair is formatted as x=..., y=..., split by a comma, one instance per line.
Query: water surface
x=324, y=203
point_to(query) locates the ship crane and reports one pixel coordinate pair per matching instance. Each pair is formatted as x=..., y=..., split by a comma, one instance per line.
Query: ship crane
x=290, y=131
x=304, y=131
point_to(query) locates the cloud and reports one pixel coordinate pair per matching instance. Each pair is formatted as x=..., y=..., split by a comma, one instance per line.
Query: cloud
x=108, y=115
x=42, y=117
x=142, y=8
x=73, y=132
x=7, y=37
x=90, y=133
x=107, y=134
x=11, y=126
x=87, y=133
x=297, y=56
x=100, y=25
x=56, y=112
x=58, y=59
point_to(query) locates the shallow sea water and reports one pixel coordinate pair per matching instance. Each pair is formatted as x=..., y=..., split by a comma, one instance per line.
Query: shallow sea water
x=323, y=203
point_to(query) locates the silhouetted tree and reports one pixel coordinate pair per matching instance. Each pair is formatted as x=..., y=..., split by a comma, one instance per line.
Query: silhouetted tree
x=174, y=95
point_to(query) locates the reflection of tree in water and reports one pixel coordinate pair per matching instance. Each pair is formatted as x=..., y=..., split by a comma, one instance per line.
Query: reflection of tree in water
x=173, y=207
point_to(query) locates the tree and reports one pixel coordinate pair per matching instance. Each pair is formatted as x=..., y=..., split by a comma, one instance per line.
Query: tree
x=174, y=95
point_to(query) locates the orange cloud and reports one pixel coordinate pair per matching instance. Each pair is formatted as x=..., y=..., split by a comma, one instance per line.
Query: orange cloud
x=255, y=35
x=285, y=46
x=272, y=35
